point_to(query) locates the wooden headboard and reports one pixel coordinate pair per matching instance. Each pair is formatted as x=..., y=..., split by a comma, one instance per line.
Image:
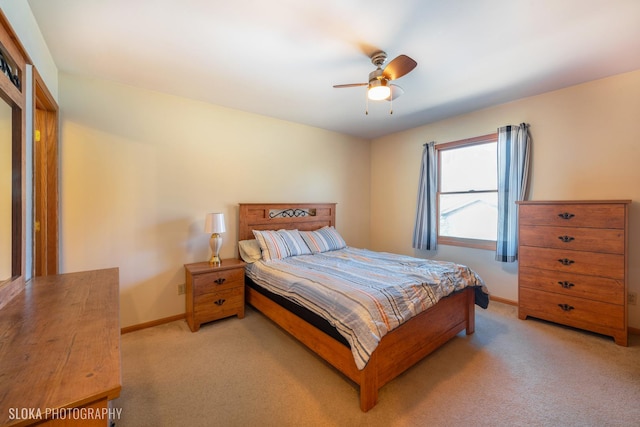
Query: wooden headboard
x=276, y=216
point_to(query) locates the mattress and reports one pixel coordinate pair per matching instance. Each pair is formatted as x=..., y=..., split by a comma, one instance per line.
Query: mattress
x=300, y=311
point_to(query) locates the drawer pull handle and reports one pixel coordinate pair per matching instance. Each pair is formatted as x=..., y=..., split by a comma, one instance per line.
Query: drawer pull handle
x=566, y=239
x=566, y=261
x=566, y=285
x=566, y=307
x=566, y=215
x=220, y=281
x=219, y=302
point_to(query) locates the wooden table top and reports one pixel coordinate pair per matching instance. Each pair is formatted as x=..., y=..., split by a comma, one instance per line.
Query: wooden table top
x=60, y=343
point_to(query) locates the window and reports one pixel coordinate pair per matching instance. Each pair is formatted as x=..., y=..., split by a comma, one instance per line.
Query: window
x=468, y=192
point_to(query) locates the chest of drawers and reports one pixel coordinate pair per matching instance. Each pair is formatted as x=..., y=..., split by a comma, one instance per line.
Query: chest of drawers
x=214, y=292
x=573, y=264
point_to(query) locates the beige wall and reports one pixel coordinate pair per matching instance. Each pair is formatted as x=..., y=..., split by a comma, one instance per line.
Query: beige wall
x=140, y=169
x=586, y=145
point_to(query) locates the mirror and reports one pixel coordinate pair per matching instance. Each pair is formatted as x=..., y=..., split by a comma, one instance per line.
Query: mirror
x=5, y=191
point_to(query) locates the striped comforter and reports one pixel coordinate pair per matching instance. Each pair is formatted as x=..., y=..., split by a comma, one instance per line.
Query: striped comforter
x=363, y=294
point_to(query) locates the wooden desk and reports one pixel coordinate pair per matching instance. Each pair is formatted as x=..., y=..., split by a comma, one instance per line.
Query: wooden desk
x=60, y=348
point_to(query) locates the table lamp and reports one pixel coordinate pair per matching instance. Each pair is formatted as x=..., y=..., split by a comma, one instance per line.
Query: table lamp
x=214, y=224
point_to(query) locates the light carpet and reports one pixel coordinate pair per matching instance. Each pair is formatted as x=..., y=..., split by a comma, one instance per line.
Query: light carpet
x=249, y=372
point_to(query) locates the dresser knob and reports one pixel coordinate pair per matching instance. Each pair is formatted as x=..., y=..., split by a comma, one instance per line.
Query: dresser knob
x=566, y=261
x=566, y=307
x=566, y=215
x=566, y=239
x=566, y=285
x=219, y=302
x=220, y=281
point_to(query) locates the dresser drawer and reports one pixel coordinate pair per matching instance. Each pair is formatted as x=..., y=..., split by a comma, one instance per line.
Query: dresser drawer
x=574, y=238
x=576, y=285
x=221, y=304
x=577, y=312
x=574, y=215
x=217, y=281
x=588, y=263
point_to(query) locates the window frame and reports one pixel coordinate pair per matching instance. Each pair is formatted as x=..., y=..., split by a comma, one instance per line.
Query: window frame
x=458, y=241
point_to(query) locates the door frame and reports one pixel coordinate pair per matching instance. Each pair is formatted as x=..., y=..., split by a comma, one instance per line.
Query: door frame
x=45, y=179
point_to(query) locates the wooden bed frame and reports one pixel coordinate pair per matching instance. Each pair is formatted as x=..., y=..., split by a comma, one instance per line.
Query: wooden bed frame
x=398, y=350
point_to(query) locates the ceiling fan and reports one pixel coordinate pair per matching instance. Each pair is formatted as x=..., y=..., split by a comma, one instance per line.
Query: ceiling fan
x=379, y=86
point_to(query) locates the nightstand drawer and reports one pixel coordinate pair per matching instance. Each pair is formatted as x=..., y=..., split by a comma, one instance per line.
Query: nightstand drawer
x=217, y=281
x=576, y=285
x=589, y=263
x=574, y=215
x=577, y=312
x=574, y=238
x=219, y=304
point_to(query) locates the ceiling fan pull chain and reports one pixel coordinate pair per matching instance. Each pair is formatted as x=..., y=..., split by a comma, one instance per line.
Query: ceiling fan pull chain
x=366, y=97
x=391, y=104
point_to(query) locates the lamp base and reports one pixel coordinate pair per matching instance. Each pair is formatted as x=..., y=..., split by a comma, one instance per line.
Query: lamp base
x=216, y=243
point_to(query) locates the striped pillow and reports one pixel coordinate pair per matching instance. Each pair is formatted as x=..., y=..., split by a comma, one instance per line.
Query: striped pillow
x=295, y=242
x=280, y=244
x=323, y=240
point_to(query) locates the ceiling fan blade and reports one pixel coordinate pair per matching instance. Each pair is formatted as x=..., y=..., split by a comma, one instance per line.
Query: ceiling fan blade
x=350, y=85
x=400, y=66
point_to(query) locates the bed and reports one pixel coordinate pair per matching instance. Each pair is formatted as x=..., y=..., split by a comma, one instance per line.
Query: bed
x=396, y=351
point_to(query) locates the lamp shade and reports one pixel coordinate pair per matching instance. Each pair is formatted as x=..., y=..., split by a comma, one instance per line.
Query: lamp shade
x=378, y=90
x=214, y=223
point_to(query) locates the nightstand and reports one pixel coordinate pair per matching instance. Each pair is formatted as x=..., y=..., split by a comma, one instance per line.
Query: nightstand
x=214, y=292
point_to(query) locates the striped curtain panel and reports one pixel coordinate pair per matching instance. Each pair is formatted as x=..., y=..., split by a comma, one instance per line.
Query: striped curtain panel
x=513, y=173
x=425, y=234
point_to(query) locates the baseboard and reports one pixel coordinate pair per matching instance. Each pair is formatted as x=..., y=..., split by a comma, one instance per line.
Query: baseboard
x=503, y=300
x=151, y=324
x=132, y=328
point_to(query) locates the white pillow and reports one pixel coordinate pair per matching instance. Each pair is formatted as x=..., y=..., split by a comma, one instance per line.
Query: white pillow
x=249, y=250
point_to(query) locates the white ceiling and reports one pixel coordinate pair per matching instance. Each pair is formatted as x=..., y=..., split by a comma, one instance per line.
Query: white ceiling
x=280, y=58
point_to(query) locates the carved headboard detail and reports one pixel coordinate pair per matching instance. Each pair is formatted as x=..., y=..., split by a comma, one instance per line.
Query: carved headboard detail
x=275, y=216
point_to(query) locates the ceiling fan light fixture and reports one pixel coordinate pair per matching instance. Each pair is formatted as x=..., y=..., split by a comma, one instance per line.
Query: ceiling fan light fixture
x=378, y=90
